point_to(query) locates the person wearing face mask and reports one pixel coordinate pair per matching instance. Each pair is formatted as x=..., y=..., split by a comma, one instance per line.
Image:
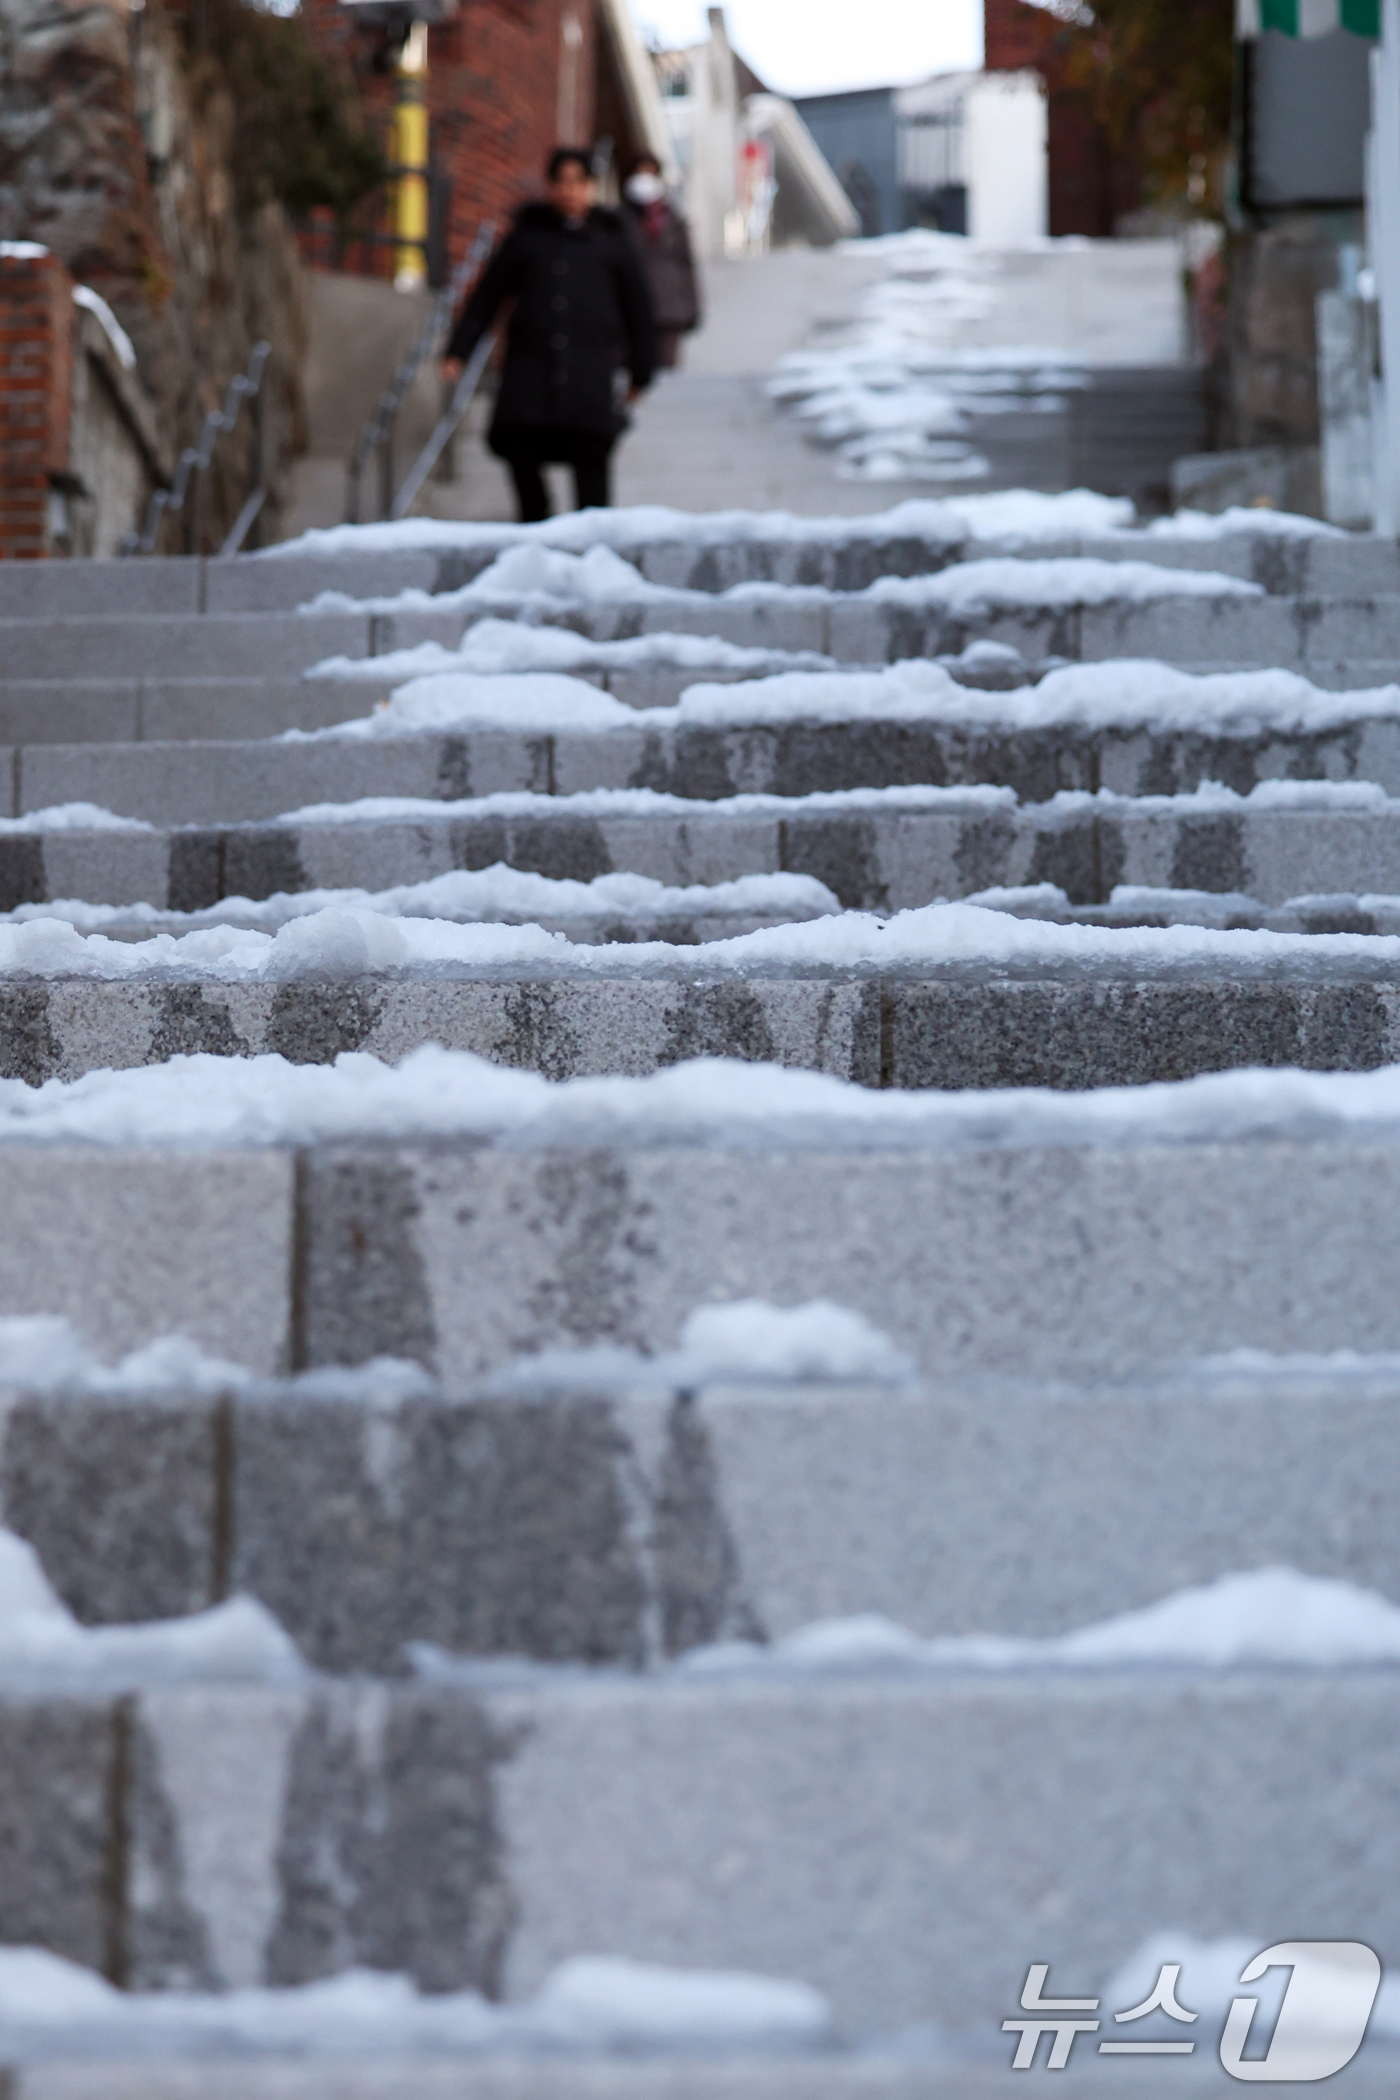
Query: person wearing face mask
x=665, y=244
x=581, y=308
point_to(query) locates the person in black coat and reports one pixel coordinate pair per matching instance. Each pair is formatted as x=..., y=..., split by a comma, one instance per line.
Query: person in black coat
x=582, y=309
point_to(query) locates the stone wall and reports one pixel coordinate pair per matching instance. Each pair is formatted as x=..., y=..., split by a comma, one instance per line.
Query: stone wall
x=114, y=153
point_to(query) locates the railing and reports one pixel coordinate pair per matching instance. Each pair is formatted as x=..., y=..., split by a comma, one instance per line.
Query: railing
x=379, y=432
x=446, y=426
x=187, y=487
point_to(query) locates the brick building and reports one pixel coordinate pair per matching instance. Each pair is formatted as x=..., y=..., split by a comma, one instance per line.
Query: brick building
x=507, y=80
x=1091, y=187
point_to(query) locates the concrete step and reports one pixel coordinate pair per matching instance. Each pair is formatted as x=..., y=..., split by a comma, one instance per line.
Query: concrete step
x=877, y=851
x=875, y=627
x=628, y=1519
x=109, y=711
x=234, y=1835
x=183, y=783
x=594, y=1013
x=1065, y=1242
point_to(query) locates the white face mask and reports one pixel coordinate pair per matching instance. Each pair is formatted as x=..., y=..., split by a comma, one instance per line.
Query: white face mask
x=645, y=189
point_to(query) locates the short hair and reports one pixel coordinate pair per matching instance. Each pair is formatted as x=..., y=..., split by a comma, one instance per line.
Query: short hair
x=643, y=160
x=561, y=157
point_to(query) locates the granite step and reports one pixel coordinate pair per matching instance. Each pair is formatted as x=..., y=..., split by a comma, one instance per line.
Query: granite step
x=626, y=1514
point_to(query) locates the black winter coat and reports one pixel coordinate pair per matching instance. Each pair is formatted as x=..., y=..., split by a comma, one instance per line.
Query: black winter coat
x=582, y=309
x=664, y=239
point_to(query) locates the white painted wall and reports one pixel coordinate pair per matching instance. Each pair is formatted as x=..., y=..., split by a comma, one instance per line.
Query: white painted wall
x=1005, y=155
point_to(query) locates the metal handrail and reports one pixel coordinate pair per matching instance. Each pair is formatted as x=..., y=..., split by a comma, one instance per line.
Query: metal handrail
x=195, y=459
x=447, y=423
x=379, y=430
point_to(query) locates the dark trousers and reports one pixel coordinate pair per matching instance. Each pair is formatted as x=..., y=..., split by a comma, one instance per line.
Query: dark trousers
x=526, y=450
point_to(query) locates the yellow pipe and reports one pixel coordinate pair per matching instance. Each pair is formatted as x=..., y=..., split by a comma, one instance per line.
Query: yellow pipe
x=411, y=154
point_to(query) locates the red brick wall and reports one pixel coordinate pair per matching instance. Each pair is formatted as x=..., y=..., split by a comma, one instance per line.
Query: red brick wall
x=36, y=394
x=493, y=103
x=1090, y=186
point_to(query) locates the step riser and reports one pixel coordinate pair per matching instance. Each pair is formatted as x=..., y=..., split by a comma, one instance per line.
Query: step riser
x=1289, y=633
x=96, y=711
x=873, y=862
x=1082, y=1264
x=1073, y=1035
x=279, y=1835
x=1352, y=567
x=226, y=783
x=625, y=1528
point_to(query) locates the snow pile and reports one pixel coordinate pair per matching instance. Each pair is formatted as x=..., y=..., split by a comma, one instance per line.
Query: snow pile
x=746, y=1342
x=236, y=1642
x=498, y=895
x=590, y=2004
x=1271, y=1616
x=440, y=1095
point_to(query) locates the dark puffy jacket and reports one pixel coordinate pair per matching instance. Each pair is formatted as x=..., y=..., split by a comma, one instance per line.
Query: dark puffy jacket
x=664, y=240
x=582, y=308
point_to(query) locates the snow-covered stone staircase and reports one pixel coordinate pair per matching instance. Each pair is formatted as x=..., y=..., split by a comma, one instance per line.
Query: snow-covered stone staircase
x=522, y=1586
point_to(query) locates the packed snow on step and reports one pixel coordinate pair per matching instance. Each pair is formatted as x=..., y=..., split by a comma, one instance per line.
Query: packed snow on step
x=41, y=1641
x=1119, y=695
x=547, y=576
x=1238, y=520
x=973, y=800
x=745, y=1342
x=1209, y=1982
x=72, y=816
x=340, y=943
x=589, y=2004
x=498, y=895
x=1267, y=1616
x=43, y=1352
x=492, y=646
x=436, y=1095
x=1027, y=514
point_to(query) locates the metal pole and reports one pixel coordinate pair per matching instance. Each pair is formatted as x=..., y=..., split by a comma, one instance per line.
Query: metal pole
x=1383, y=240
x=446, y=468
x=259, y=454
x=386, y=467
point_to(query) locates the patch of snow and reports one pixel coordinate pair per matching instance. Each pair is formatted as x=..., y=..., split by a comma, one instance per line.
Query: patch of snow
x=498, y=895
x=1272, y=1616
x=436, y=1094
x=43, y=1352
x=1219, y=525
x=236, y=1642
x=746, y=1342
x=348, y=941
x=590, y=2004
x=1007, y=584
x=649, y=802
x=1122, y=694
x=73, y=816
x=94, y=303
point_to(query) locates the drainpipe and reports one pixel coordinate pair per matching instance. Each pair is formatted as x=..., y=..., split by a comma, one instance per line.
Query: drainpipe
x=411, y=157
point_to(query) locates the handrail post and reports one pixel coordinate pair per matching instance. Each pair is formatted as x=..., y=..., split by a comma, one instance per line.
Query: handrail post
x=446, y=468
x=386, y=465
x=258, y=452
